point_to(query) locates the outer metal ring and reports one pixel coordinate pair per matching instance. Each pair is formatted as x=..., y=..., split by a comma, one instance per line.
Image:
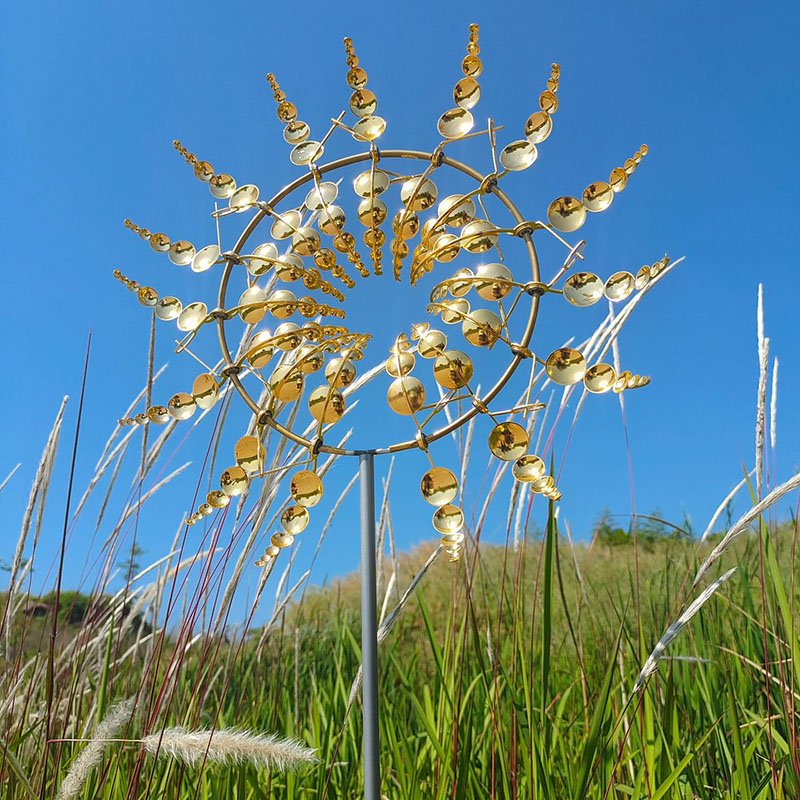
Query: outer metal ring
x=469, y=413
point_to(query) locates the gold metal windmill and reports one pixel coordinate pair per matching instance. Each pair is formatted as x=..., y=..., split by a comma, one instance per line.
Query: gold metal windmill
x=300, y=255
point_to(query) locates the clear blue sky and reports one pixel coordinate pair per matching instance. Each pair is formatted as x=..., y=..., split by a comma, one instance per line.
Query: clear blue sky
x=93, y=94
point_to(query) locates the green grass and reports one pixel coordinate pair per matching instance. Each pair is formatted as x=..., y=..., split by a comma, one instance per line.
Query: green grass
x=510, y=684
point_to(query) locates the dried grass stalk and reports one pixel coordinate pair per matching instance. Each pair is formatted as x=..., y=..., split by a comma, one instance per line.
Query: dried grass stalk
x=744, y=521
x=651, y=665
x=773, y=407
x=394, y=615
x=733, y=492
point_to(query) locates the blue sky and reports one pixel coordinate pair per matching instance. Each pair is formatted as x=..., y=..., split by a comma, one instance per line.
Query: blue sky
x=94, y=94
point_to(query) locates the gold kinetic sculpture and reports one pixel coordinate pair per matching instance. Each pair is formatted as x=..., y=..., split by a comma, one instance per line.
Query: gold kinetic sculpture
x=300, y=254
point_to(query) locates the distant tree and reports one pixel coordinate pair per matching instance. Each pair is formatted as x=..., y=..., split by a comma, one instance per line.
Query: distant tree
x=131, y=565
x=534, y=532
x=6, y=567
x=607, y=533
x=650, y=529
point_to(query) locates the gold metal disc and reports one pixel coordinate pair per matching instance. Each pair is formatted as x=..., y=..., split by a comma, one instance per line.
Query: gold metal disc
x=288, y=336
x=256, y=298
x=566, y=214
x=400, y=363
x=371, y=183
x=249, y=454
x=431, y=344
x=282, y=540
x=168, y=308
x=439, y=486
x=369, y=128
x=294, y=520
x=296, y=132
x=217, y=499
x=321, y=196
x=456, y=210
x=599, y=378
x=282, y=303
x=508, y=441
x=482, y=327
x=192, y=316
x=619, y=286
x=467, y=93
x=309, y=359
x=244, y=197
x=583, y=289
x=423, y=190
x=181, y=253
x=565, y=366
x=306, y=153
x=285, y=225
x=454, y=311
x=518, y=155
x=455, y=123
x=205, y=259
x=448, y=519
x=306, y=488
x=461, y=288
x=222, y=186
x=260, y=349
x=495, y=281
x=286, y=383
x=233, y=481
x=341, y=370
x=262, y=258
x=597, y=196
x=406, y=395
x=181, y=406
x=528, y=468
x=543, y=485
x=538, y=127
x=158, y=414
x=479, y=236
x=452, y=369
x=326, y=404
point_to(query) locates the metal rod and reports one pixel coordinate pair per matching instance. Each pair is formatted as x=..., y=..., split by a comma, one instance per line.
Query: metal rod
x=369, y=630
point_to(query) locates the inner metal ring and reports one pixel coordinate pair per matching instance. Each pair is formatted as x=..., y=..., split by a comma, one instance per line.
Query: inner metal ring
x=470, y=412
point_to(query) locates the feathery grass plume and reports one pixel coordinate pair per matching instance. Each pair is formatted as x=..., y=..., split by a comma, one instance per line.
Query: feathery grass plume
x=744, y=521
x=385, y=605
x=773, y=407
x=761, y=416
x=651, y=665
x=9, y=477
x=763, y=356
x=721, y=507
x=115, y=719
x=230, y=746
x=394, y=615
x=38, y=490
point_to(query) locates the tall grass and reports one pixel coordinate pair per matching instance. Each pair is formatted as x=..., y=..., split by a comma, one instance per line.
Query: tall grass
x=541, y=668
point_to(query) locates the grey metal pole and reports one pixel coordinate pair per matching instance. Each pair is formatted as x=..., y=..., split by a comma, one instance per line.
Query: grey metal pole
x=369, y=629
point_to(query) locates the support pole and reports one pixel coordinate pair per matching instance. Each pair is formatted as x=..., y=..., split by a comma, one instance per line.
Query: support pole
x=369, y=629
